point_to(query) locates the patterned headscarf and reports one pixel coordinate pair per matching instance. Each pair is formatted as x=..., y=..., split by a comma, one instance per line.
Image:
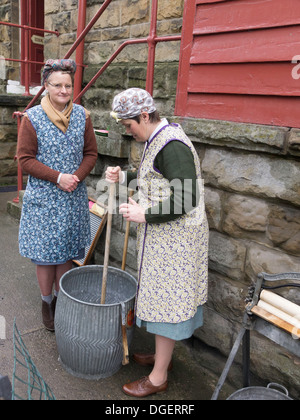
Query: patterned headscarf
x=131, y=103
x=58, y=65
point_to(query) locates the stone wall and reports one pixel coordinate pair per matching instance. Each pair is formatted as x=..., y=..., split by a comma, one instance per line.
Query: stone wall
x=122, y=20
x=252, y=178
x=252, y=194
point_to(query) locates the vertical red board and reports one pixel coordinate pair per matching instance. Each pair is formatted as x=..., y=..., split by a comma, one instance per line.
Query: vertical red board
x=185, y=55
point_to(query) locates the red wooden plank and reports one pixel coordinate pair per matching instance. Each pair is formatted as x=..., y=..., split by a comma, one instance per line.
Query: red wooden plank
x=254, y=79
x=279, y=44
x=210, y=1
x=279, y=111
x=248, y=14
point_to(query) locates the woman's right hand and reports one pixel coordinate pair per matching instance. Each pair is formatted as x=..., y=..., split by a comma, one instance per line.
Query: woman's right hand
x=112, y=174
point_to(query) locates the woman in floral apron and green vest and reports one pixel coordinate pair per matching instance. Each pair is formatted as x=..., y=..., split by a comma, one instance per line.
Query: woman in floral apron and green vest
x=172, y=237
x=57, y=149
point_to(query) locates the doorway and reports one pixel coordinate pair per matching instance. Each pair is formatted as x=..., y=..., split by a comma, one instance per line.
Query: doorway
x=32, y=14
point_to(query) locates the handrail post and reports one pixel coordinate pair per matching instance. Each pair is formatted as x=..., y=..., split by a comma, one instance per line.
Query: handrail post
x=18, y=115
x=27, y=93
x=80, y=49
x=152, y=47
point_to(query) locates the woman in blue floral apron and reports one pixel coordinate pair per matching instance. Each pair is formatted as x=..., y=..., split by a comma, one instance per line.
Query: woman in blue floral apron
x=172, y=239
x=57, y=149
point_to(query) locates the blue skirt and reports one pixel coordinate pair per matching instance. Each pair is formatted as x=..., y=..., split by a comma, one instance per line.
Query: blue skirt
x=176, y=332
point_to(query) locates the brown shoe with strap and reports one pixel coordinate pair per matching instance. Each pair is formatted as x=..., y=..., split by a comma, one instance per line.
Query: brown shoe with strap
x=143, y=388
x=148, y=360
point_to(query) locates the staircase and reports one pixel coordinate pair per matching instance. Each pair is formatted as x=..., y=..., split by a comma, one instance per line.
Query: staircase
x=15, y=209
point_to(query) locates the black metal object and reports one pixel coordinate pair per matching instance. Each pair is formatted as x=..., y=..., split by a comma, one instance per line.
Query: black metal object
x=252, y=322
x=5, y=388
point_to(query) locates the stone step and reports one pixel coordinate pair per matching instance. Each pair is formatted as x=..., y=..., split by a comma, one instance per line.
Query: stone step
x=112, y=144
x=15, y=209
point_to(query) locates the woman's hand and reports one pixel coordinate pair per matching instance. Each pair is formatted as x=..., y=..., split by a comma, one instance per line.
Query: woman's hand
x=68, y=182
x=113, y=174
x=133, y=212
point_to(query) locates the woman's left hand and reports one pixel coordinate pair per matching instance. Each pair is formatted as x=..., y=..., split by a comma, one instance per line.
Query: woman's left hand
x=133, y=212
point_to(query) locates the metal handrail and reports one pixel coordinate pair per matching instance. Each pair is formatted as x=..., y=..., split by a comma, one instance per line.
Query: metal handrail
x=30, y=28
x=26, y=61
x=149, y=82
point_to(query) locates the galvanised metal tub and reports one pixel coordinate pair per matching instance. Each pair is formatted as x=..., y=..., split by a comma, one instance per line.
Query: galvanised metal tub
x=258, y=393
x=88, y=334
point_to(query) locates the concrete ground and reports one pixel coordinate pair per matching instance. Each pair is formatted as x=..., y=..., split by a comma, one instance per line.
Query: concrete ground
x=20, y=299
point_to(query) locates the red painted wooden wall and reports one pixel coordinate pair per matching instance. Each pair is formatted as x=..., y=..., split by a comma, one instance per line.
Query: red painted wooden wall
x=236, y=61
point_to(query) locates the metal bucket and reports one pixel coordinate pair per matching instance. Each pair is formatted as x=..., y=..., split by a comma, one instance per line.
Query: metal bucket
x=257, y=393
x=88, y=334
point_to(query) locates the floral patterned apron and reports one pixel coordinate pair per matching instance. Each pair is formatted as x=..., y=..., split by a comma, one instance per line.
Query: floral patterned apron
x=173, y=266
x=55, y=225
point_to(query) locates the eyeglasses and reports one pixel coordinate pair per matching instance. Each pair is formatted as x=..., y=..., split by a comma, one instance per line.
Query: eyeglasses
x=60, y=87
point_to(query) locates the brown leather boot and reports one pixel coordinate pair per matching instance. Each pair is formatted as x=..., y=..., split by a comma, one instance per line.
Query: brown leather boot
x=53, y=304
x=48, y=316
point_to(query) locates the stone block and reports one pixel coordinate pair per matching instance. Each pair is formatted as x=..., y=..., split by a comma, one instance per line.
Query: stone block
x=8, y=133
x=227, y=256
x=14, y=210
x=284, y=228
x=245, y=216
x=253, y=174
x=227, y=296
x=261, y=258
x=134, y=11
x=242, y=136
x=213, y=204
x=136, y=153
x=8, y=168
x=167, y=10
x=52, y=6
x=217, y=331
x=294, y=142
x=7, y=151
x=109, y=19
x=168, y=51
x=115, y=147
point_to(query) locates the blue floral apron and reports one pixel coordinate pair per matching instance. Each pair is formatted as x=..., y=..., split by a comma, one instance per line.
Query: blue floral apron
x=55, y=225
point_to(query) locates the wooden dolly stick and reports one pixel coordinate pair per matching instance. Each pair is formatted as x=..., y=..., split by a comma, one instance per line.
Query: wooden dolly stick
x=126, y=239
x=110, y=209
x=124, y=329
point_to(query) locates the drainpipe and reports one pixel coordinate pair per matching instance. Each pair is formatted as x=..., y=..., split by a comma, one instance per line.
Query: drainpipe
x=80, y=49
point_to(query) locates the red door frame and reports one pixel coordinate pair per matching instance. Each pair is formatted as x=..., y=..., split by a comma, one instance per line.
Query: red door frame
x=32, y=14
x=185, y=55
